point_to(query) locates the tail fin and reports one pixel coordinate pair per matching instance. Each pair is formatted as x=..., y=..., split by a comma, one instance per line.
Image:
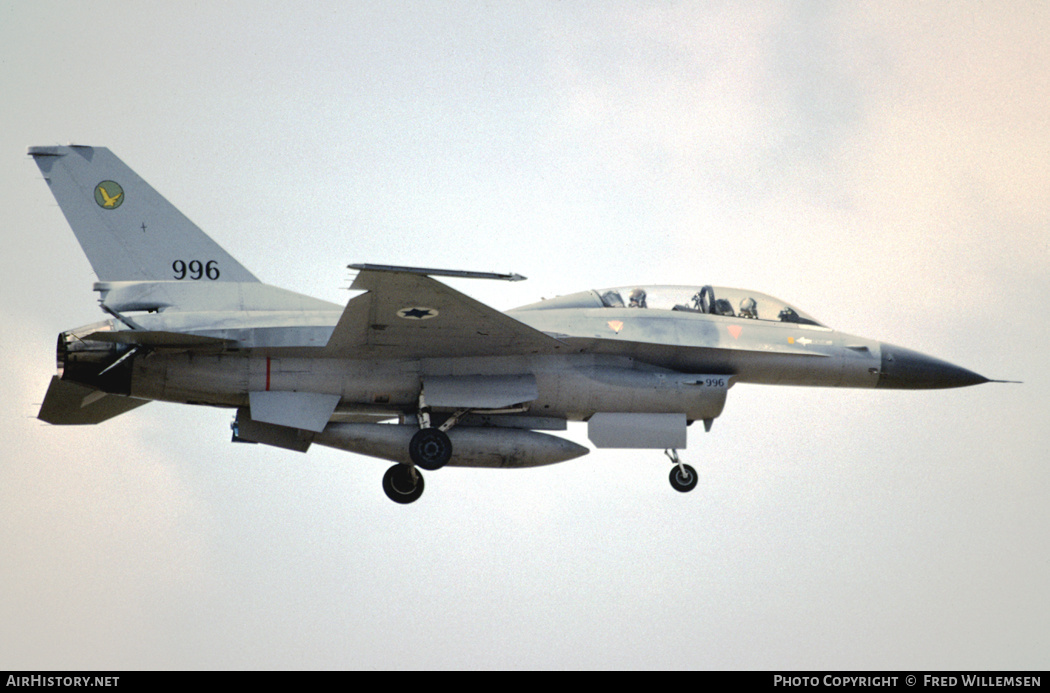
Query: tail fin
x=128, y=231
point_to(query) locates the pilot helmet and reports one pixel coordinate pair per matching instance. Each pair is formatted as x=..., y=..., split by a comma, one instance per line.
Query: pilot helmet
x=637, y=298
x=749, y=308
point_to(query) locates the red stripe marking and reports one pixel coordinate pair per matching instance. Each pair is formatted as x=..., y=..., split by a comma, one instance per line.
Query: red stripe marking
x=267, y=373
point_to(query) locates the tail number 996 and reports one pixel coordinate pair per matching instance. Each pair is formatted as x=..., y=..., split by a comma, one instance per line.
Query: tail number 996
x=195, y=269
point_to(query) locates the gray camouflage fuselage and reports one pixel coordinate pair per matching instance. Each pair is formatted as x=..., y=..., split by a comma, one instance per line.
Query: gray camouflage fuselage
x=648, y=364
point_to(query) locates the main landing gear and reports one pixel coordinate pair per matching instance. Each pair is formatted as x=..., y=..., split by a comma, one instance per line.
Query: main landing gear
x=403, y=484
x=683, y=477
x=430, y=449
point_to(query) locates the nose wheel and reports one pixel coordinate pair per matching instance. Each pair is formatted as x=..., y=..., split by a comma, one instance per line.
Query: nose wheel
x=683, y=477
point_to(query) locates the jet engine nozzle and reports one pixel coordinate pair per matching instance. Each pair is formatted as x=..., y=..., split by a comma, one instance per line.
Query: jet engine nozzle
x=101, y=365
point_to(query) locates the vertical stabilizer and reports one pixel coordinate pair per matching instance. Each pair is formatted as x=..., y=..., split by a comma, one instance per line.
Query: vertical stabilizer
x=128, y=231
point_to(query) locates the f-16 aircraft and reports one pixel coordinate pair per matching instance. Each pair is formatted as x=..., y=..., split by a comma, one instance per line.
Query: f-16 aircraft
x=411, y=370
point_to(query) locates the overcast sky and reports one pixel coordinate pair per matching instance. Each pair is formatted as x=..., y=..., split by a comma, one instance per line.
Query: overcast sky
x=884, y=166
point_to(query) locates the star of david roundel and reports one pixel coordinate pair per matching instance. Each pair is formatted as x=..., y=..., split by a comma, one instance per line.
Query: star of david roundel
x=417, y=313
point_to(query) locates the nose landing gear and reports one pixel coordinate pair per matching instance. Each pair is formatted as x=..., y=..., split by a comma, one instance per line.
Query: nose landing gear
x=683, y=476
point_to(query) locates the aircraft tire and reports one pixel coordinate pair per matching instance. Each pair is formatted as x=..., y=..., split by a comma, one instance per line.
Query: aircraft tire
x=398, y=484
x=430, y=449
x=683, y=482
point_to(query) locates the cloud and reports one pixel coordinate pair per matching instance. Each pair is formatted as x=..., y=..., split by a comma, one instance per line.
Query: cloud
x=96, y=526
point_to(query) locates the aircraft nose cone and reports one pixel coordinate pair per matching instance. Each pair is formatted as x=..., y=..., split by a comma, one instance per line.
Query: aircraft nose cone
x=905, y=369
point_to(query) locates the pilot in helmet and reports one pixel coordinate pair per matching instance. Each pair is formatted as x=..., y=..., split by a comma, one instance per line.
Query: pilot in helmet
x=748, y=308
x=637, y=299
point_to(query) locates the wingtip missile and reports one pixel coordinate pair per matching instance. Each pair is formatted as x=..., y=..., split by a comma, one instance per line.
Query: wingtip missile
x=434, y=272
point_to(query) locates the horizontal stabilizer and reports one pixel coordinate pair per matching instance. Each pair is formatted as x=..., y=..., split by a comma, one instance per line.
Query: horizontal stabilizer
x=68, y=404
x=310, y=411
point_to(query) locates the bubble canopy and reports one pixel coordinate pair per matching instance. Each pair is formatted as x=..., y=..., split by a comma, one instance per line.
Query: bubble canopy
x=712, y=300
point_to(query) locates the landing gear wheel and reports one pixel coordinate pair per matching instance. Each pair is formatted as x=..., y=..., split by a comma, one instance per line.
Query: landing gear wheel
x=430, y=448
x=402, y=484
x=683, y=478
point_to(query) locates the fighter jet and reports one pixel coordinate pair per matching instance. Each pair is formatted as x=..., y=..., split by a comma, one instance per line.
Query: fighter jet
x=411, y=370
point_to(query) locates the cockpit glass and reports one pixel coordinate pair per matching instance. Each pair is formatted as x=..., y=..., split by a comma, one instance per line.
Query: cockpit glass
x=715, y=300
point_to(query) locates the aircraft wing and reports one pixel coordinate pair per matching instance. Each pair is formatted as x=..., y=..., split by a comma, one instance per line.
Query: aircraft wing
x=410, y=315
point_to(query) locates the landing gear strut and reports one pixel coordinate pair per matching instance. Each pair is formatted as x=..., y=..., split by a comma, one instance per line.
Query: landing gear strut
x=683, y=477
x=430, y=449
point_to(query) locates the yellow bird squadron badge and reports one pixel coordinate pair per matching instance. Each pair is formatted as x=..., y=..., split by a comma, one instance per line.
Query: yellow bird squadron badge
x=109, y=195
